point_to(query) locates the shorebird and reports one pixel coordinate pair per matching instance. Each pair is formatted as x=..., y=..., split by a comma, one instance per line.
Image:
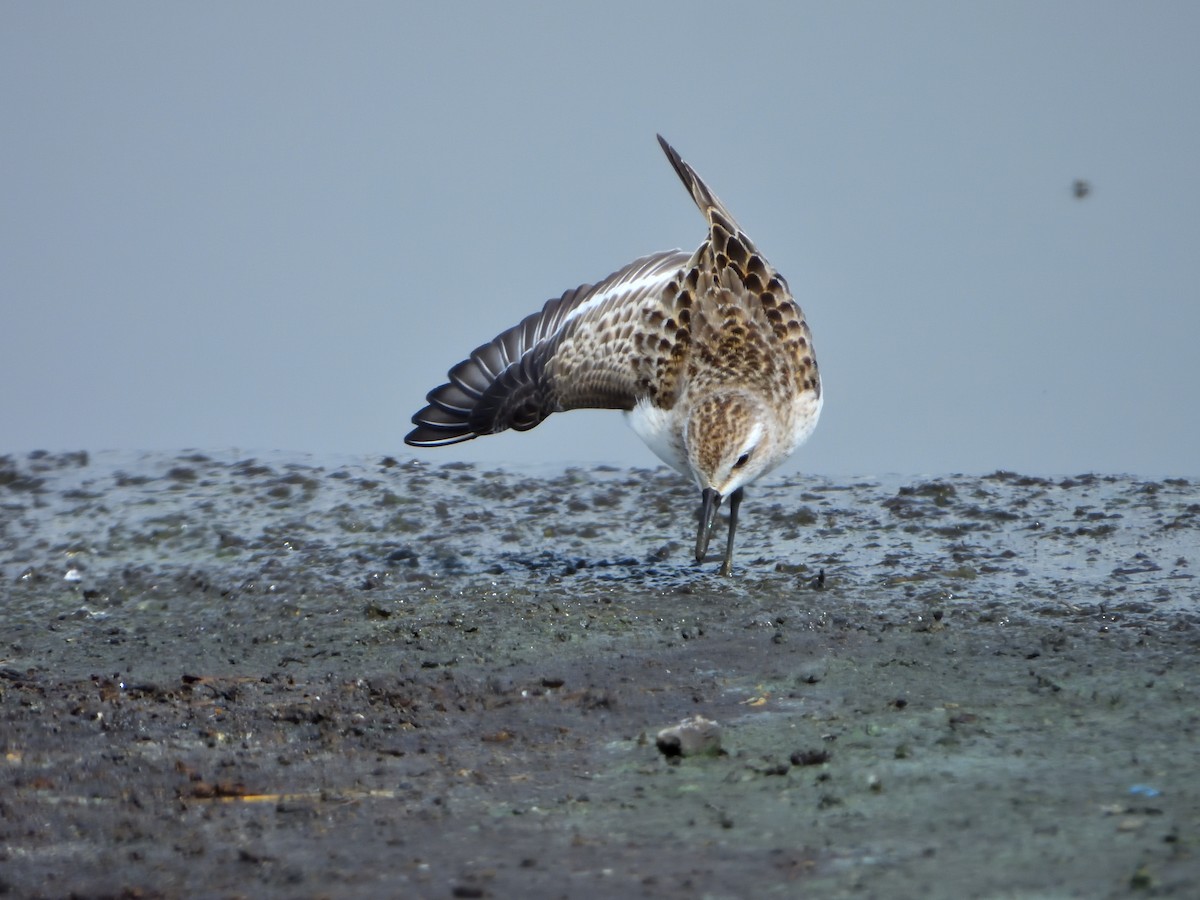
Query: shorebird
x=707, y=353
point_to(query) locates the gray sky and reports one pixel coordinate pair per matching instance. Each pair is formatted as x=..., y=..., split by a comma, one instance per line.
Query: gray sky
x=276, y=225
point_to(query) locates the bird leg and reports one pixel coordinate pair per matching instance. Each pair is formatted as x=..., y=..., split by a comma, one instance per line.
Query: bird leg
x=735, y=500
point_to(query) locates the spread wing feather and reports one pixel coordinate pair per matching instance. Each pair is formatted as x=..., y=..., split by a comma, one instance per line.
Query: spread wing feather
x=591, y=347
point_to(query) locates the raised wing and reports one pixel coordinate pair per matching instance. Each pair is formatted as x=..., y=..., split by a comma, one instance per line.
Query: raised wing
x=738, y=289
x=597, y=346
x=630, y=337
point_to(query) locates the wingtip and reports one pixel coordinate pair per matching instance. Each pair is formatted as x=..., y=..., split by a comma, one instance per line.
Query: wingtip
x=683, y=170
x=425, y=436
x=438, y=426
x=703, y=196
x=672, y=153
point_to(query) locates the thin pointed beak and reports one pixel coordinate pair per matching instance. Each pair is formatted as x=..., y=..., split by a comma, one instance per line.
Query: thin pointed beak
x=710, y=502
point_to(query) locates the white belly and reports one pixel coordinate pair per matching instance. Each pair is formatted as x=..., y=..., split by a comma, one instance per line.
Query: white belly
x=662, y=431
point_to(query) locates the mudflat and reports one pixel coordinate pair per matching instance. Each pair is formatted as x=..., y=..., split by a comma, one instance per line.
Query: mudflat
x=331, y=677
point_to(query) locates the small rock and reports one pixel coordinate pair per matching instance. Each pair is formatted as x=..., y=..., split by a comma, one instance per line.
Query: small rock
x=691, y=737
x=809, y=757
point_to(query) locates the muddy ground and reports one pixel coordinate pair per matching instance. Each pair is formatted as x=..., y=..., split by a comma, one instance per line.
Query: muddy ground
x=299, y=677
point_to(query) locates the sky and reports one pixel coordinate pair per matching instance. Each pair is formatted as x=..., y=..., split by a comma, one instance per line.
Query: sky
x=275, y=226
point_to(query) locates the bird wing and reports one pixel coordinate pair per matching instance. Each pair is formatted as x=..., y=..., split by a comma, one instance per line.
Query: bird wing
x=736, y=284
x=597, y=346
x=628, y=338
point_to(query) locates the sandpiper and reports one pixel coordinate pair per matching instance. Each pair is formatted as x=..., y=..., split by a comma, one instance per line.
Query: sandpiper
x=707, y=353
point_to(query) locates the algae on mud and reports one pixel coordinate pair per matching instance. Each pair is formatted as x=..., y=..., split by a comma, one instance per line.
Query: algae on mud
x=284, y=676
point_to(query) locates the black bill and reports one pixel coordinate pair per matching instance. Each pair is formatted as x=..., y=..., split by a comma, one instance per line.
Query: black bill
x=710, y=502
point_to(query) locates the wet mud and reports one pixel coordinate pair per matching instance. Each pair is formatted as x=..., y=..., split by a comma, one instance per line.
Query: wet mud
x=299, y=677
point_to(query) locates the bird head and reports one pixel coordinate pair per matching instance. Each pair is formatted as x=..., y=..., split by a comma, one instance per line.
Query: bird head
x=732, y=437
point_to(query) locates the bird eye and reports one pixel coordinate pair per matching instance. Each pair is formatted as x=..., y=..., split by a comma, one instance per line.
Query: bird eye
x=742, y=460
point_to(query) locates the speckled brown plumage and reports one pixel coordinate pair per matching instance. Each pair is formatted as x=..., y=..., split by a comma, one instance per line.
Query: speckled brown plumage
x=708, y=352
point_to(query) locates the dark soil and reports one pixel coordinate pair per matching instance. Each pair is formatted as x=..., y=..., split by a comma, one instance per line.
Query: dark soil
x=287, y=677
